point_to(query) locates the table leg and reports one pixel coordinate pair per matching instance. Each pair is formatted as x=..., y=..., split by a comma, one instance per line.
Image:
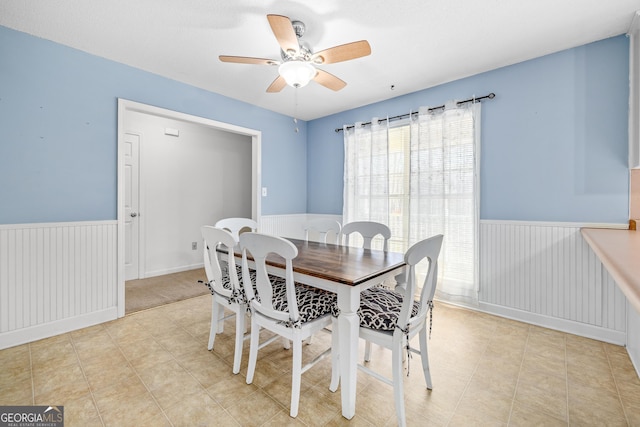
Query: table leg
x=348, y=324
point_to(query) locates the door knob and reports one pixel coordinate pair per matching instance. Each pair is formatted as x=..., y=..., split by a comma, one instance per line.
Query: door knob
x=133, y=214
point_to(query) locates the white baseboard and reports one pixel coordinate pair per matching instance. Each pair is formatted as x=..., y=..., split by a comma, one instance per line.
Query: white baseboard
x=46, y=330
x=568, y=326
x=172, y=270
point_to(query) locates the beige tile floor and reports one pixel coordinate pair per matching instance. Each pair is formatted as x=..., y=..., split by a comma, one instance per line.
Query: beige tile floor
x=153, y=368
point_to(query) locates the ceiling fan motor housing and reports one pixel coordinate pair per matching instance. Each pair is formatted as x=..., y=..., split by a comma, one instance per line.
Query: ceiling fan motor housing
x=304, y=53
x=299, y=28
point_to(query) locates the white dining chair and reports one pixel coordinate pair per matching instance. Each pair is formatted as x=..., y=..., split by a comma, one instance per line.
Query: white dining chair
x=290, y=310
x=390, y=318
x=235, y=226
x=226, y=289
x=327, y=230
x=368, y=230
x=324, y=228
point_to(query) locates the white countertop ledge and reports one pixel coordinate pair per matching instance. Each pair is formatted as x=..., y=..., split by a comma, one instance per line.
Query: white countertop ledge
x=619, y=252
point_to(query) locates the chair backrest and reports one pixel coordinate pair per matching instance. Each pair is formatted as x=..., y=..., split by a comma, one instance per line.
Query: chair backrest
x=258, y=246
x=368, y=230
x=212, y=238
x=429, y=249
x=237, y=225
x=323, y=227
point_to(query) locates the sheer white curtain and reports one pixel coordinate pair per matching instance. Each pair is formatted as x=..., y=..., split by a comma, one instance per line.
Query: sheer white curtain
x=421, y=178
x=444, y=186
x=366, y=175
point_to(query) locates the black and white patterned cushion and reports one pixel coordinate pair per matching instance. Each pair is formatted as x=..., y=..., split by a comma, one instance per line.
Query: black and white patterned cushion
x=240, y=296
x=312, y=302
x=379, y=308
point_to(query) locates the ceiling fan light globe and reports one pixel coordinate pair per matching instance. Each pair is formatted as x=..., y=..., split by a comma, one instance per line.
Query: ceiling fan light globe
x=297, y=73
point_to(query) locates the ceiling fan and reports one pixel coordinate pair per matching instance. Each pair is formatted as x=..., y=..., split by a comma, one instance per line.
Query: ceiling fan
x=298, y=64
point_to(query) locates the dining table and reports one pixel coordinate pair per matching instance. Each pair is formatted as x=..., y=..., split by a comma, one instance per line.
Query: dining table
x=347, y=271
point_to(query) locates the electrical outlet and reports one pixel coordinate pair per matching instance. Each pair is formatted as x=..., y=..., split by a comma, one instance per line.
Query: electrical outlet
x=194, y=246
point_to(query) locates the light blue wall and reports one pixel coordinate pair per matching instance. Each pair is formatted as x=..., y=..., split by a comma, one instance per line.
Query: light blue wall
x=58, y=115
x=554, y=140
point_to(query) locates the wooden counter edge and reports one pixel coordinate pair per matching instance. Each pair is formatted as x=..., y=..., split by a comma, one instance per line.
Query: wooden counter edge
x=619, y=252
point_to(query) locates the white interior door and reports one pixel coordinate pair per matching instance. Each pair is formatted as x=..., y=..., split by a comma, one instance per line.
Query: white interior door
x=131, y=205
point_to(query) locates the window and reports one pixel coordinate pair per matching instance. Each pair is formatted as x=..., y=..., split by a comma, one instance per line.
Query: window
x=420, y=177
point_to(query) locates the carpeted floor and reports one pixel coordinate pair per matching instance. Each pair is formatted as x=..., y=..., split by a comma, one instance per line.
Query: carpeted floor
x=142, y=294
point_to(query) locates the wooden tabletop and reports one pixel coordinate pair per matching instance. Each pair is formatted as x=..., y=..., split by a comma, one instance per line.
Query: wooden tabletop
x=341, y=264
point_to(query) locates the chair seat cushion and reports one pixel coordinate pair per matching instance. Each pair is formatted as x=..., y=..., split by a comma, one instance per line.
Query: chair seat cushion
x=240, y=296
x=312, y=302
x=380, y=308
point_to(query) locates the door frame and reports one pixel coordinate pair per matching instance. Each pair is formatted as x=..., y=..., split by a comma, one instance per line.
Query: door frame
x=126, y=106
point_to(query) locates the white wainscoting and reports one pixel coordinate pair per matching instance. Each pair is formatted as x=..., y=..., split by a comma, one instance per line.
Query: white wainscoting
x=546, y=274
x=56, y=277
x=290, y=225
x=59, y=277
x=536, y=272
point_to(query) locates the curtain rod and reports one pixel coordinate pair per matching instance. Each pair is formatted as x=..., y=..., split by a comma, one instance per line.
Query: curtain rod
x=402, y=116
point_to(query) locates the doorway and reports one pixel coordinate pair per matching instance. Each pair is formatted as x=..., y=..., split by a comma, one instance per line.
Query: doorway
x=142, y=294
x=127, y=111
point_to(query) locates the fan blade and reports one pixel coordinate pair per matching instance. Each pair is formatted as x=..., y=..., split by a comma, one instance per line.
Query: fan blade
x=247, y=60
x=284, y=32
x=329, y=80
x=277, y=85
x=343, y=52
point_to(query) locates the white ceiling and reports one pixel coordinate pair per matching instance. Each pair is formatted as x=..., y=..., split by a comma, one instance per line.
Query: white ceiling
x=416, y=44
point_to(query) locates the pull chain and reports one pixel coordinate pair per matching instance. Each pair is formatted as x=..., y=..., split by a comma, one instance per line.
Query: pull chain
x=295, y=108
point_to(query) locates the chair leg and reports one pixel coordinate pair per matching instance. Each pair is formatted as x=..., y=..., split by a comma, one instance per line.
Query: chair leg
x=253, y=349
x=335, y=356
x=244, y=316
x=398, y=390
x=296, y=373
x=424, y=355
x=367, y=351
x=240, y=328
x=215, y=307
x=220, y=319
